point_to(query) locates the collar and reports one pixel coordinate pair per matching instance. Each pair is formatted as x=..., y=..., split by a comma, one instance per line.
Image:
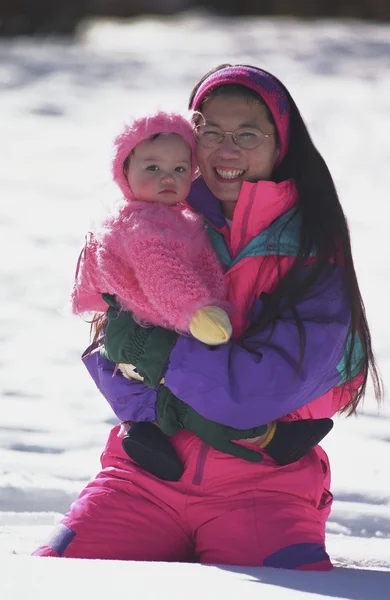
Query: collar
x=258, y=205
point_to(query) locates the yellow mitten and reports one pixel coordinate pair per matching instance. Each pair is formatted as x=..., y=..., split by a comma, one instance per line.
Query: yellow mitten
x=211, y=325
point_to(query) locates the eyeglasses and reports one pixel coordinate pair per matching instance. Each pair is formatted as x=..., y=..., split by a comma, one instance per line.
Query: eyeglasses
x=247, y=138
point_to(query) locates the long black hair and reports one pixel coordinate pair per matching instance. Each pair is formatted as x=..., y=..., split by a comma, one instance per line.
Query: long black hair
x=324, y=229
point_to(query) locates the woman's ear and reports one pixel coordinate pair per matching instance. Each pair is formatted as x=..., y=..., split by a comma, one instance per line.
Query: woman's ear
x=197, y=118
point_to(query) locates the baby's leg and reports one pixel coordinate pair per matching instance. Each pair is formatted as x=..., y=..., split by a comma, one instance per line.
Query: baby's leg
x=288, y=441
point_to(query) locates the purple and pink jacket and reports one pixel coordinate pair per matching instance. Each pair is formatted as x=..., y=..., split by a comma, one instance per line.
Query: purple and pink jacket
x=247, y=386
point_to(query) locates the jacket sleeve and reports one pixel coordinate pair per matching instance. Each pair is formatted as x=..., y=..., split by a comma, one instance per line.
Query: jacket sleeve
x=86, y=294
x=244, y=385
x=130, y=400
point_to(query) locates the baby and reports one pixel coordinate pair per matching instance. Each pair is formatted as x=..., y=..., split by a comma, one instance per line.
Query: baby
x=154, y=253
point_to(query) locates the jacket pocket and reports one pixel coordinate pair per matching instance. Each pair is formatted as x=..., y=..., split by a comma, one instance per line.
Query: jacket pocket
x=326, y=499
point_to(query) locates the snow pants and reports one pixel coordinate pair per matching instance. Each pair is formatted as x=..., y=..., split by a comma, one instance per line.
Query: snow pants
x=224, y=510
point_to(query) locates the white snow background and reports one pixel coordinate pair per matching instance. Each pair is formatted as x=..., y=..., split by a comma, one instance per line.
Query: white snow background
x=61, y=104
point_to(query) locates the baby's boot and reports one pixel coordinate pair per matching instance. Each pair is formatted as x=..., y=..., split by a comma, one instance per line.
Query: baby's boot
x=211, y=325
x=147, y=446
x=288, y=441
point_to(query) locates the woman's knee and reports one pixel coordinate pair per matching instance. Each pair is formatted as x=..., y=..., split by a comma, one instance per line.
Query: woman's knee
x=45, y=551
x=273, y=531
x=305, y=556
x=116, y=519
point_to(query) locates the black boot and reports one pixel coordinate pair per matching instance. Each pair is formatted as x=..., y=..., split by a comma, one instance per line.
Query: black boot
x=146, y=445
x=294, y=439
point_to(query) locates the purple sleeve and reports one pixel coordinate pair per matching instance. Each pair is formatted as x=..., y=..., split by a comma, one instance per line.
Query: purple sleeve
x=130, y=400
x=244, y=387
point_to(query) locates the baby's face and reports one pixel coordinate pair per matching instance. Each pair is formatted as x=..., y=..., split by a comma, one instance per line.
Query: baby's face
x=160, y=170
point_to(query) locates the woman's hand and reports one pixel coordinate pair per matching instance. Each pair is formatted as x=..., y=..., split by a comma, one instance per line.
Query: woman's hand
x=129, y=371
x=174, y=415
x=124, y=429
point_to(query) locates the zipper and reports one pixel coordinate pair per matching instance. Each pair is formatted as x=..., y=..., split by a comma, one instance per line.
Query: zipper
x=200, y=462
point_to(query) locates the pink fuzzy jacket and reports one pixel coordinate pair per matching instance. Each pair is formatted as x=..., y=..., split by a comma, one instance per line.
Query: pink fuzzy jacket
x=158, y=262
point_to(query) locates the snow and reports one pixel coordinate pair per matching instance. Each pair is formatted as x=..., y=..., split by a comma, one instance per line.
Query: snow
x=62, y=579
x=61, y=104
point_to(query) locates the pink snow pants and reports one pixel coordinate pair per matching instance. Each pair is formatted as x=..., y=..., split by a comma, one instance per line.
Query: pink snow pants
x=224, y=510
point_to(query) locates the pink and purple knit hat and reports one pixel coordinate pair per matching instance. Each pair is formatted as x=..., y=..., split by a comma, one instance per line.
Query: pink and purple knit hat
x=261, y=82
x=142, y=129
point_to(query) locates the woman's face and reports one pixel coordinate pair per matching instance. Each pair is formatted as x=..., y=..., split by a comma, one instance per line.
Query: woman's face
x=225, y=166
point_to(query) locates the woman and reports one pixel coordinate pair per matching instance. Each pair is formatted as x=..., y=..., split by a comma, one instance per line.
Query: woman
x=276, y=222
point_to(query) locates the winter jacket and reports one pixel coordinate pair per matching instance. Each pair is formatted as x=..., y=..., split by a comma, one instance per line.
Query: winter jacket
x=246, y=385
x=156, y=259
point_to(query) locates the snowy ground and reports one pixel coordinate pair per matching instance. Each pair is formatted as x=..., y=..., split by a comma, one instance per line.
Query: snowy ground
x=61, y=104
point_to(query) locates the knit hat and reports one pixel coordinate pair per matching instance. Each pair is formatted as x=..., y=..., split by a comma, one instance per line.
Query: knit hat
x=261, y=82
x=142, y=129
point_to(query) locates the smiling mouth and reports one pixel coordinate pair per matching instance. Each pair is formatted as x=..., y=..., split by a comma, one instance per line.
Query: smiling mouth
x=229, y=174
